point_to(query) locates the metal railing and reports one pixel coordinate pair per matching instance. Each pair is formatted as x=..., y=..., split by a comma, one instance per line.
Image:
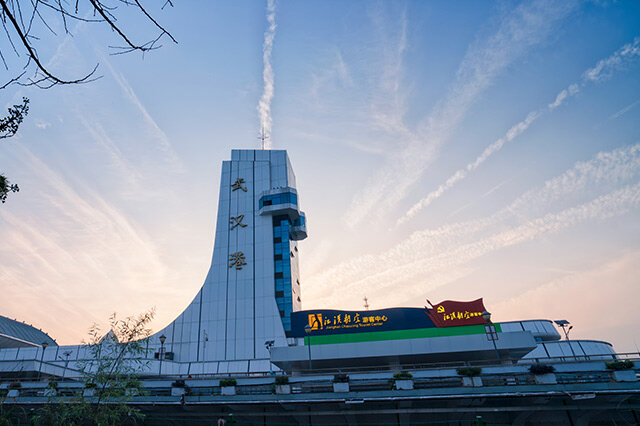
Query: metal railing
x=55, y=369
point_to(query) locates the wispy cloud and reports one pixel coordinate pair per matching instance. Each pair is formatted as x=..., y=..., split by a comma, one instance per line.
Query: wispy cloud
x=264, y=105
x=519, y=30
x=603, y=69
x=434, y=257
x=584, y=289
x=625, y=110
x=73, y=248
x=156, y=131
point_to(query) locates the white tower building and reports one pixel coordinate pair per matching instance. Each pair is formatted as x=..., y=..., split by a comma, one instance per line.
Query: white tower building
x=253, y=283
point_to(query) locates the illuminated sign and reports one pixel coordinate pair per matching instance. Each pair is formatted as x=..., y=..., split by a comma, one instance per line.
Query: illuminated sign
x=450, y=313
x=445, y=314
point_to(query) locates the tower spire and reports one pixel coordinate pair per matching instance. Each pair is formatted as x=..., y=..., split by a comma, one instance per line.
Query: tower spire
x=263, y=137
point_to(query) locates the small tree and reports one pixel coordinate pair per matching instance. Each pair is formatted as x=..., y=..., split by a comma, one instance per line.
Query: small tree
x=114, y=363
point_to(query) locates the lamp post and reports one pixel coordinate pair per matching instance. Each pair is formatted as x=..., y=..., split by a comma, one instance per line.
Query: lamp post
x=161, y=354
x=307, y=329
x=490, y=330
x=66, y=363
x=563, y=325
x=44, y=346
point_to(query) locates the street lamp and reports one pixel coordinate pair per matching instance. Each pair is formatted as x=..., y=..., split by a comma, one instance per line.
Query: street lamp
x=66, y=363
x=44, y=346
x=163, y=338
x=566, y=328
x=307, y=329
x=490, y=330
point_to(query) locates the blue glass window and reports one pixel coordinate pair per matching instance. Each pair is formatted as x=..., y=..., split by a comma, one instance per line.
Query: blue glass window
x=274, y=199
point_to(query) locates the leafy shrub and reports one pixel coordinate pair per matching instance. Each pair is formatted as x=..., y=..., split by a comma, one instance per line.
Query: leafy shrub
x=619, y=365
x=90, y=385
x=179, y=384
x=4, y=392
x=282, y=380
x=132, y=384
x=469, y=371
x=403, y=375
x=539, y=369
x=52, y=385
x=228, y=382
x=340, y=378
x=15, y=385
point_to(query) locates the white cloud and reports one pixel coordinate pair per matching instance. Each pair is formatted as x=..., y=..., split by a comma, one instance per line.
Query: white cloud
x=73, y=248
x=264, y=105
x=433, y=257
x=522, y=28
x=604, y=66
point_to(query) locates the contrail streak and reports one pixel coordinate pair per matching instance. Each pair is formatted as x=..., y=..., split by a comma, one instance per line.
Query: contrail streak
x=603, y=69
x=264, y=106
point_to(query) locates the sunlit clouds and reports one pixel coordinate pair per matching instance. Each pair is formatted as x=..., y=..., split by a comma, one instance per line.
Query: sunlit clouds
x=489, y=150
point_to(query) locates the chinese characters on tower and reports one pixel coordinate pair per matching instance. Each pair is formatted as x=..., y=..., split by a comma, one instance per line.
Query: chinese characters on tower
x=237, y=259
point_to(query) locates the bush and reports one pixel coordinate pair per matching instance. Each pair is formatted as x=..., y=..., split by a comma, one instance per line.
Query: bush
x=15, y=385
x=539, y=369
x=132, y=384
x=179, y=384
x=90, y=385
x=52, y=385
x=619, y=365
x=403, y=375
x=469, y=371
x=228, y=382
x=282, y=380
x=340, y=378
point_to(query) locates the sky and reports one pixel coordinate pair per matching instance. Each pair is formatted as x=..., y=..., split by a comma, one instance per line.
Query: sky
x=443, y=150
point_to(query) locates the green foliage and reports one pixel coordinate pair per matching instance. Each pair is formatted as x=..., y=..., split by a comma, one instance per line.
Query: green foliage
x=282, y=380
x=179, y=384
x=469, y=371
x=228, y=382
x=112, y=369
x=620, y=365
x=9, y=125
x=6, y=187
x=539, y=369
x=340, y=378
x=403, y=375
x=15, y=385
x=52, y=385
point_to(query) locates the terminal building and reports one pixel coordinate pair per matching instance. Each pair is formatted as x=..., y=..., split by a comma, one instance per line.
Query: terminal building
x=246, y=320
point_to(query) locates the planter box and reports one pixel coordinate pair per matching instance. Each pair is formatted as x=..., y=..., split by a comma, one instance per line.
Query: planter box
x=228, y=390
x=404, y=384
x=283, y=389
x=545, y=379
x=472, y=381
x=625, y=376
x=341, y=387
x=50, y=392
x=13, y=393
x=87, y=393
x=178, y=391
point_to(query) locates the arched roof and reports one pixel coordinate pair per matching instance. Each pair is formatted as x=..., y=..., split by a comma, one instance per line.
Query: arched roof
x=19, y=334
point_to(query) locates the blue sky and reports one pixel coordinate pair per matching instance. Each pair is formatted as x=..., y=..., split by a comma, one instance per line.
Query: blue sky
x=449, y=150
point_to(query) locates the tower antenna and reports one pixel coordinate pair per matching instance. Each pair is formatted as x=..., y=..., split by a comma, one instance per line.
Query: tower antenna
x=263, y=137
x=366, y=303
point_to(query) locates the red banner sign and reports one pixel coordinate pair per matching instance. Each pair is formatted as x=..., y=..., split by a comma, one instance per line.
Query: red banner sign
x=451, y=313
